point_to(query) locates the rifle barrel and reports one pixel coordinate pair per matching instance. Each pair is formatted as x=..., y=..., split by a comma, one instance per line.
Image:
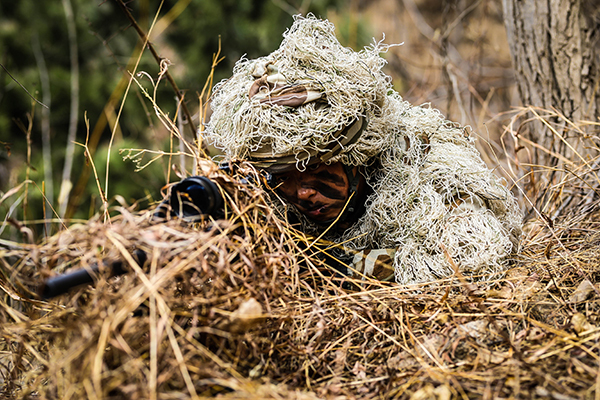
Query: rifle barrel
x=63, y=283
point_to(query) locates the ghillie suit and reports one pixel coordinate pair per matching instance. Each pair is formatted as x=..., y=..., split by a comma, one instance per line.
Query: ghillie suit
x=434, y=203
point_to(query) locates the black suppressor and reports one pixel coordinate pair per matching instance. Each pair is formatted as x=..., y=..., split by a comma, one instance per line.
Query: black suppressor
x=61, y=284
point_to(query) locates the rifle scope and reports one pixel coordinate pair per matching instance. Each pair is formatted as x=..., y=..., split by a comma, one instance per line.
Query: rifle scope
x=196, y=196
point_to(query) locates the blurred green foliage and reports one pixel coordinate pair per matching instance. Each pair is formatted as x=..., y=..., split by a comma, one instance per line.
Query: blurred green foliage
x=106, y=46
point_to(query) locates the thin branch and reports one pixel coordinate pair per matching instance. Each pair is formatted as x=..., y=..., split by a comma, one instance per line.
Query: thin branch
x=23, y=87
x=181, y=139
x=158, y=59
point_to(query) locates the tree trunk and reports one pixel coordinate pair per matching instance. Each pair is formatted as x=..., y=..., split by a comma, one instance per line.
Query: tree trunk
x=554, y=48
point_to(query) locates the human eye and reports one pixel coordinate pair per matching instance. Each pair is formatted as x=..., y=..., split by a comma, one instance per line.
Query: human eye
x=279, y=179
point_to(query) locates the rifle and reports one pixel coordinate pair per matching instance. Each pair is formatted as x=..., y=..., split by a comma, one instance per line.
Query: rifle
x=191, y=199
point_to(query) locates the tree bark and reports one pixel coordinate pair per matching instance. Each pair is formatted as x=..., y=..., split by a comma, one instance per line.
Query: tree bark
x=554, y=48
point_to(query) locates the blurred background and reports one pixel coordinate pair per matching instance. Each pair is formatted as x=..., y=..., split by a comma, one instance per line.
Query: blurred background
x=66, y=97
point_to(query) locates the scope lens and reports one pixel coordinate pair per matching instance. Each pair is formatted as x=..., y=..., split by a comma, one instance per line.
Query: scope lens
x=194, y=197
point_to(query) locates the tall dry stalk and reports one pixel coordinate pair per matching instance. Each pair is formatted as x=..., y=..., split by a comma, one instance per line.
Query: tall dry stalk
x=66, y=183
x=178, y=8
x=46, y=141
x=116, y=122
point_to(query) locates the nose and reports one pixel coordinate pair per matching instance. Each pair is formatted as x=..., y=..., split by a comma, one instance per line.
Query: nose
x=305, y=193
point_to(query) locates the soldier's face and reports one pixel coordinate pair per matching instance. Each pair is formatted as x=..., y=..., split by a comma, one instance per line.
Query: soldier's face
x=320, y=192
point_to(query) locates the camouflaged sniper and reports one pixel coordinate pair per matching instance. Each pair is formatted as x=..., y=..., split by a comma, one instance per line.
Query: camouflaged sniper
x=313, y=100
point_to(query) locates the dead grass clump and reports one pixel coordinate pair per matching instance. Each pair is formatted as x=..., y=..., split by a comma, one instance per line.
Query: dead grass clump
x=176, y=325
x=240, y=309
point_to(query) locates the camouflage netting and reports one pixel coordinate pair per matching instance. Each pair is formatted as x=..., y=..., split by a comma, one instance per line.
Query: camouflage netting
x=239, y=309
x=434, y=198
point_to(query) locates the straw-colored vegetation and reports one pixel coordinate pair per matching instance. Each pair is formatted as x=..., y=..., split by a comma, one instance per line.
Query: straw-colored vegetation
x=241, y=308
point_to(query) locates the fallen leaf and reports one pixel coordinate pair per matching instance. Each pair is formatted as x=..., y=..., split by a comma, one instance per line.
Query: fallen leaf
x=248, y=315
x=580, y=323
x=583, y=291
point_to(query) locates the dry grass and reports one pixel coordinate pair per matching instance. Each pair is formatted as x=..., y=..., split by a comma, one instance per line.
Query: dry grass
x=240, y=309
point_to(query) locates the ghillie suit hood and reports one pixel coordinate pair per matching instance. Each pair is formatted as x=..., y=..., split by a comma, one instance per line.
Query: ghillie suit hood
x=313, y=100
